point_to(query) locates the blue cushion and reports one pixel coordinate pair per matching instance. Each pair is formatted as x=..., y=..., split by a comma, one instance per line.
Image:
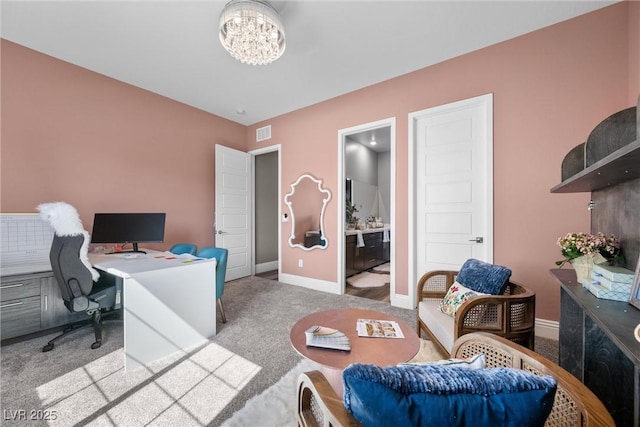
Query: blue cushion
x=415, y=395
x=483, y=277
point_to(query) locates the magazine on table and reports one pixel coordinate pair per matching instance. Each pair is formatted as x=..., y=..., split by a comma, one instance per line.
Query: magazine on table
x=324, y=337
x=378, y=328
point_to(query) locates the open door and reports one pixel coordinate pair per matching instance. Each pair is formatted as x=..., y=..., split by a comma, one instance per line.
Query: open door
x=232, y=226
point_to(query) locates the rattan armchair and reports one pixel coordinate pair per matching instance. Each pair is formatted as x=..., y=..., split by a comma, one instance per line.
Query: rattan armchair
x=574, y=404
x=511, y=315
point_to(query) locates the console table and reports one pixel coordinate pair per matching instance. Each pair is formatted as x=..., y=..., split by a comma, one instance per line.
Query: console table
x=597, y=346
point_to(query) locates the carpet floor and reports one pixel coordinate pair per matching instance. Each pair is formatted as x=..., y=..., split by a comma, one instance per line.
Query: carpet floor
x=275, y=407
x=204, y=386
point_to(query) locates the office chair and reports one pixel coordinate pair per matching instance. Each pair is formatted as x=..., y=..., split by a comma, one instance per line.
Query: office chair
x=77, y=288
x=220, y=254
x=184, y=248
x=74, y=275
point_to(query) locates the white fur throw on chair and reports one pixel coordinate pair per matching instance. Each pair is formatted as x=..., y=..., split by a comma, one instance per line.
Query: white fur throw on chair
x=65, y=221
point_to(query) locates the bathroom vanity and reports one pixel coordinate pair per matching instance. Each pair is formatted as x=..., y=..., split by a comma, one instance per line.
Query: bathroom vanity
x=373, y=251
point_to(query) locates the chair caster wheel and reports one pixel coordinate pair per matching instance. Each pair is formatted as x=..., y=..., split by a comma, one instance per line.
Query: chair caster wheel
x=47, y=347
x=95, y=345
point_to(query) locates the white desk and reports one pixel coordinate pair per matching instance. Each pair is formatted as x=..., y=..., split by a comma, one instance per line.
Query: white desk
x=169, y=305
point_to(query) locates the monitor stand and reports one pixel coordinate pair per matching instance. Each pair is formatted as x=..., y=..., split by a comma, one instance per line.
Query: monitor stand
x=134, y=250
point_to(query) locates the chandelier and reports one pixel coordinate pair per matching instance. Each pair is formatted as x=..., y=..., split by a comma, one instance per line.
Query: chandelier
x=251, y=31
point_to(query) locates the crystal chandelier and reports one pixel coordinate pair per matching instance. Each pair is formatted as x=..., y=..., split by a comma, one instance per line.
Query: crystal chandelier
x=251, y=31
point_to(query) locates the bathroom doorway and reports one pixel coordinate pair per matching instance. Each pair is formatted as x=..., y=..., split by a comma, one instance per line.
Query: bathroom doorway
x=367, y=210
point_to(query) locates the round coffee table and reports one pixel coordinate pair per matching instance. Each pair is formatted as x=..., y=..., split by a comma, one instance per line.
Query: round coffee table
x=377, y=351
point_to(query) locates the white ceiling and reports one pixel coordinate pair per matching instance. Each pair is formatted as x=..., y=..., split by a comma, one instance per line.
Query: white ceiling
x=333, y=47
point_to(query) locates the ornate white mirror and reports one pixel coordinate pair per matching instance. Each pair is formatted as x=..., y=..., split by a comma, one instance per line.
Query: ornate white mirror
x=307, y=202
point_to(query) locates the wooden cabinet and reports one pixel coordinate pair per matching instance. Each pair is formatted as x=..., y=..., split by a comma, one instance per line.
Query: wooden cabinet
x=596, y=335
x=373, y=253
x=350, y=255
x=32, y=303
x=597, y=346
x=20, y=304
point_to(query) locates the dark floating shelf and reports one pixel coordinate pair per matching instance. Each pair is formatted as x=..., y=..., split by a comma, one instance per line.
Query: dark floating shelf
x=619, y=166
x=610, y=156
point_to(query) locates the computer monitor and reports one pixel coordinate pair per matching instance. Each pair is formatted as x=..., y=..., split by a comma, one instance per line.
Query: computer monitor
x=131, y=228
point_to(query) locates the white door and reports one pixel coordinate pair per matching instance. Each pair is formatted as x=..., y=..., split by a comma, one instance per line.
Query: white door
x=453, y=193
x=233, y=209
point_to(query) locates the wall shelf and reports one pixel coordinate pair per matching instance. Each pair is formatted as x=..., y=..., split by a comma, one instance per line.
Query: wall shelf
x=619, y=166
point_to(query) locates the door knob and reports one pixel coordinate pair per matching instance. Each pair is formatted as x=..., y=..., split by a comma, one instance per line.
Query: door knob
x=220, y=232
x=478, y=240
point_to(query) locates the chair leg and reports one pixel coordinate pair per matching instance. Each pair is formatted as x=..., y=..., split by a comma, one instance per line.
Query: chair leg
x=66, y=331
x=97, y=320
x=97, y=329
x=224, y=318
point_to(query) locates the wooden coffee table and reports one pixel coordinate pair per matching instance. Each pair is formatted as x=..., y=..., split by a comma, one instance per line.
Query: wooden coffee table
x=377, y=351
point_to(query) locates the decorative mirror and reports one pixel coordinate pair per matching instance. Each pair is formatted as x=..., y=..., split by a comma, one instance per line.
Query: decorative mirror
x=307, y=202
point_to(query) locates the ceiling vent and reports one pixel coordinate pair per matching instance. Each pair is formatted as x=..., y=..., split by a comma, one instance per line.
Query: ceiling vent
x=263, y=133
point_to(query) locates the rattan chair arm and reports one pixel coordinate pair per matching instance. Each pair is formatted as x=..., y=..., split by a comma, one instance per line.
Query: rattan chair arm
x=314, y=387
x=504, y=324
x=523, y=296
x=591, y=409
x=494, y=299
x=449, y=275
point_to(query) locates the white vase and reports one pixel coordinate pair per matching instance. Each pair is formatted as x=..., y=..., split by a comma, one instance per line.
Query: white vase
x=584, y=266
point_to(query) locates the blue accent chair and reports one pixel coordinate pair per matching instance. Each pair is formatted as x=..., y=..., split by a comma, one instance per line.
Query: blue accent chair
x=184, y=248
x=220, y=254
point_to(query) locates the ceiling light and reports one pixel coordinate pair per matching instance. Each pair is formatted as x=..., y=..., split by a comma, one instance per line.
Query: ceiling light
x=373, y=140
x=251, y=31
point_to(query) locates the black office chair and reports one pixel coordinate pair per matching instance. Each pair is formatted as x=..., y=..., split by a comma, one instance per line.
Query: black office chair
x=79, y=292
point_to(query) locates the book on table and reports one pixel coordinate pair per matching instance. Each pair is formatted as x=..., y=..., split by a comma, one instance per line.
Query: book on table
x=378, y=328
x=324, y=337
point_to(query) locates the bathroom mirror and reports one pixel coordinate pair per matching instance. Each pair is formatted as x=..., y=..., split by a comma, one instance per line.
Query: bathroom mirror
x=307, y=202
x=365, y=197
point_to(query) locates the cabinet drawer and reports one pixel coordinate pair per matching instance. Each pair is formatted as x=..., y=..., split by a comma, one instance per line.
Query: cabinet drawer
x=372, y=237
x=18, y=289
x=20, y=316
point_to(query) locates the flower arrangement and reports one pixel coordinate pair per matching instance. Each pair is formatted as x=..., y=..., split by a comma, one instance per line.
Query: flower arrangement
x=350, y=209
x=575, y=245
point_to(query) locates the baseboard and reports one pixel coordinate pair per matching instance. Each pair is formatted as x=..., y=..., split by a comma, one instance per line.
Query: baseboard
x=310, y=283
x=266, y=266
x=401, y=301
x=547, y=329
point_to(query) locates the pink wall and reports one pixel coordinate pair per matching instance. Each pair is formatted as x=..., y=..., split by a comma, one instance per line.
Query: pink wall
x=131, y=148
x=72, y=135
x=550, y=89
x=634, y=51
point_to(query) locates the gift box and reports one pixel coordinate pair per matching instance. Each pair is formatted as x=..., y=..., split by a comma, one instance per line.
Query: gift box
x=614, y=274
x=612, y=286
x=601, y=292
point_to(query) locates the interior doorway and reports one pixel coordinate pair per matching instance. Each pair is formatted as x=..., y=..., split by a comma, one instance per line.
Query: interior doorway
x=266, y=226
x=366, y=210
x=246, y=212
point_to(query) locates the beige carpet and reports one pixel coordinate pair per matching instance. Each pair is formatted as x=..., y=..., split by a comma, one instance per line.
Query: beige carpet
x=276, y=406
x=203, y=387
x=368, y=280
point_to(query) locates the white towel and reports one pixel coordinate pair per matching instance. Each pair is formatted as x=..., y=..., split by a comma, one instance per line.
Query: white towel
x=360, y=243
x=385, y=235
